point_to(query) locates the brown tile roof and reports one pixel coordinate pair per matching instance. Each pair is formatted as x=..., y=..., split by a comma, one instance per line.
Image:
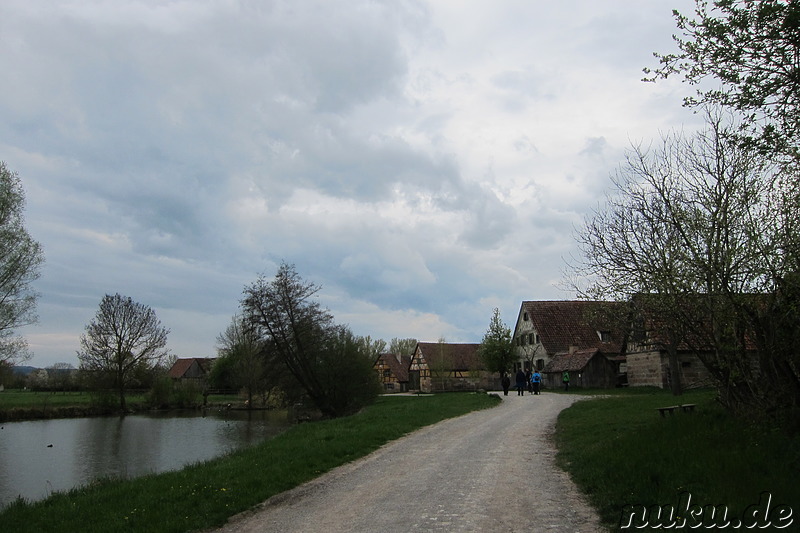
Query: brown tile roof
x=181, y=366
x=572, y=362
x=564, y=323
x=457, y=356
x=397, y=364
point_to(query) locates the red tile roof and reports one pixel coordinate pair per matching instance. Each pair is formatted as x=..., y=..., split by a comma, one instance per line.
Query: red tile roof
x=572, y=362
x=397, y=364
x=181, y=366
x=565, y=323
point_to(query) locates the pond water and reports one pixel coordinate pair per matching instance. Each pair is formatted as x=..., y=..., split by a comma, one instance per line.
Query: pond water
x=40, y=457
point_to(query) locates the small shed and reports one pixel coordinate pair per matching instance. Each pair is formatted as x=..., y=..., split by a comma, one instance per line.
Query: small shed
x=587, y=368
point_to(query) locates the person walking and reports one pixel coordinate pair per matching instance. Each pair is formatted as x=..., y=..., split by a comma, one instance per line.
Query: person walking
x=528, y=375
x=521, y=383
x=506, y=382
x=565, y=380
x=536, y=381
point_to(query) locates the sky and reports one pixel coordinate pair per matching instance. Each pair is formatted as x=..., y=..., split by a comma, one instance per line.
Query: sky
x=424, y=162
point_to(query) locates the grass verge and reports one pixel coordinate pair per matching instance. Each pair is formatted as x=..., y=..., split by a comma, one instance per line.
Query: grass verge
x=620, y=452
x=206, y=494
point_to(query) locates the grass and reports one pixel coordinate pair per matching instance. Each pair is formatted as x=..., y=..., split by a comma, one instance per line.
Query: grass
x=17, y=399
x=26, y=405
x=620, y=452
x=206, y=494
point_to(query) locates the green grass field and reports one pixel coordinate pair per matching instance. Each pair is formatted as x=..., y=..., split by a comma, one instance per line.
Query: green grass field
x=206, y=494
x=25, y=399
x=13, y=399
x=621, y=452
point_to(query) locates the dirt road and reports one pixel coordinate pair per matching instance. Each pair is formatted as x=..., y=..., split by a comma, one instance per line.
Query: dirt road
x=491, y=471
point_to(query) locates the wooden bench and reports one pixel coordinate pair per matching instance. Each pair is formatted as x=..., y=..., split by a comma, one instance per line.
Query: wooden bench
x=664, y=410
x=685, y=407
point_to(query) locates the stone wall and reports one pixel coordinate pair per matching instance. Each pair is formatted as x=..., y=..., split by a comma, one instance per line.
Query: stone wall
x=646, y=369
x=651, y=369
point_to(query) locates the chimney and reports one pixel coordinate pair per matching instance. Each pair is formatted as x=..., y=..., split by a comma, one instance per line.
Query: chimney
x=572, y=349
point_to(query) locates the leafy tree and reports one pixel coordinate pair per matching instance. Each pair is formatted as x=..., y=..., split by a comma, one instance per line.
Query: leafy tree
x=402, y=346
x=372, y=347
x=296, y=330
x=123, y=341
x=20, y=260
x=751, y=48
x=345, y=366
x=497, y=347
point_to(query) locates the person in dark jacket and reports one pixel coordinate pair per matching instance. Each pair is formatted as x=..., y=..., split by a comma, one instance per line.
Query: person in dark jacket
x=506, y=382
x=521, y=384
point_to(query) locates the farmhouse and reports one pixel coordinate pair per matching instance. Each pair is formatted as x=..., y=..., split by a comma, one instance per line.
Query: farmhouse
x=548, y=329
x=441, y=366
x=392, y=370
x=191, y=369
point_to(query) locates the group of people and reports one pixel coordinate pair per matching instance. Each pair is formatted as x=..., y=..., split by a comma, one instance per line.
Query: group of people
x=531, y=381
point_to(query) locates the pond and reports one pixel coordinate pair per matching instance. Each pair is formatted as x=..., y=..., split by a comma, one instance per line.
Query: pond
x=40, y=457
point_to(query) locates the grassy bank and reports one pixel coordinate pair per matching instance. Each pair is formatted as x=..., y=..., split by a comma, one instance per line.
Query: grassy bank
x=29, y=405
x=620, y=452
x=206, y=494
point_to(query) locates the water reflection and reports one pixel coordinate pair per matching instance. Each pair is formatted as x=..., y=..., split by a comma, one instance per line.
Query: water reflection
x=44, y=456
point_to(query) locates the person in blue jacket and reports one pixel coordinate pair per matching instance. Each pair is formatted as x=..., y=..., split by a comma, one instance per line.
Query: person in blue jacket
x=536, y=381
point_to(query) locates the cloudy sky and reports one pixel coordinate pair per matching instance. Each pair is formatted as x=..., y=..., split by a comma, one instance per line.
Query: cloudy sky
x=422, y=161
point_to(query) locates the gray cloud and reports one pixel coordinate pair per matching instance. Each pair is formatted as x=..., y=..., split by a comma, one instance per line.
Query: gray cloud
x=422, y=161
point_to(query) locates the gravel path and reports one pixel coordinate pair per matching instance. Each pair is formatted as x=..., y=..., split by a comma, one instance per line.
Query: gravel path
x=491, y=470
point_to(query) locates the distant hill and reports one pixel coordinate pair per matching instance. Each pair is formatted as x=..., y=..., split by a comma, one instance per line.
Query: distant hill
x=23, y=370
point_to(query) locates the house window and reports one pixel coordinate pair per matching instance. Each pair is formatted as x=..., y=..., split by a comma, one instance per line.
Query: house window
x=605, y=336
x=525, y=316
x=530, y=338
x=539, y=364
x=387, y=373
x=686, y=364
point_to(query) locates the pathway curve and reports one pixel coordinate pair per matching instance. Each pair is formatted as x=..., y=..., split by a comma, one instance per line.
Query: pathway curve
x=492, y=470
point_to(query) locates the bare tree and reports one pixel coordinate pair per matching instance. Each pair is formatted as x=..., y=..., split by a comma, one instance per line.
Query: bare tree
x=327, y=360
x=20, y=260
x=124, y=338
x=706, y=229
x=241, y=343
x=61, y=376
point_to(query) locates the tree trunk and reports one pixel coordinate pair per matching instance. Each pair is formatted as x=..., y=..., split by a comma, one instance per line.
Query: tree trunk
x=674, y=371
x=122, y=406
